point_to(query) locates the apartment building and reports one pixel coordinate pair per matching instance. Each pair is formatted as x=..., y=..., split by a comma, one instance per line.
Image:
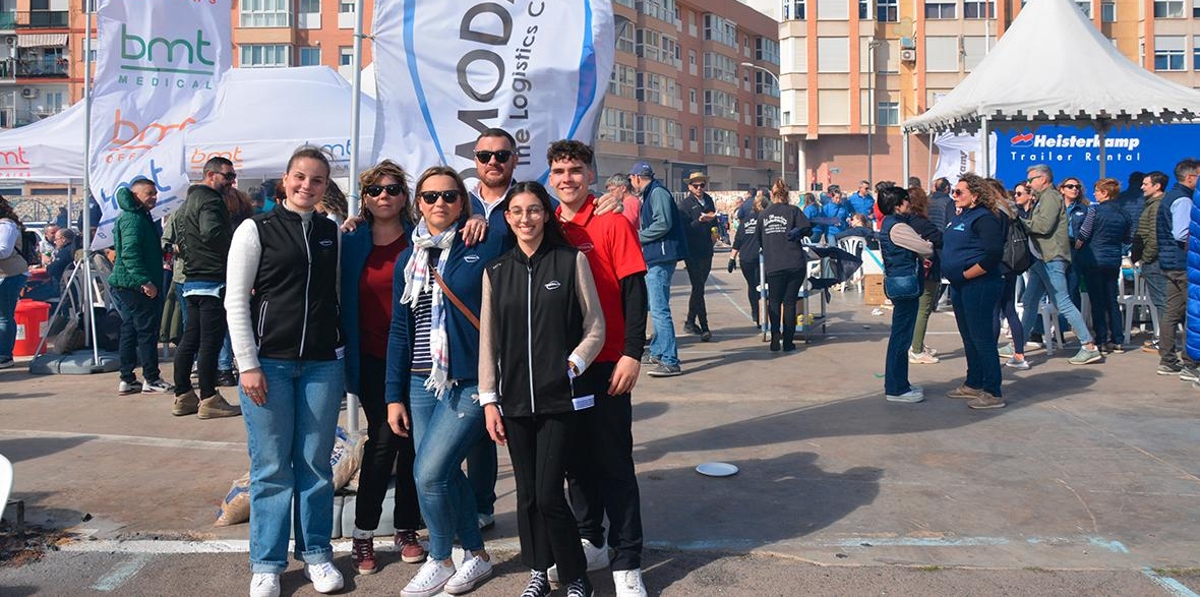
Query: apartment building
x=34, y=65
x=853, y=70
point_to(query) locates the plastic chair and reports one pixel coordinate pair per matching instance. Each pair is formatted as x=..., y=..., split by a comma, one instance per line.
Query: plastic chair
x=1139, y=298
x=1052, y=332
x=6, y=482
x=854, y=245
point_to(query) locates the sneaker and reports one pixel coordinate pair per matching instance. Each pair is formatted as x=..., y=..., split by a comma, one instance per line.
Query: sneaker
x=410, y=549
x=691, y=328
x=1006, y=352
x=665, y=370
x=215, y=407
x=931, y=351
x=1086, y=357
x=7, y=363
x=963, y=392
x=706, y=336
x=597, y=559
x=1031, y=345
x=1150, y=346
x=157, y=386
x=186, y=404
x=539, y=585
x=985, y=401
x=913, y=395
x=1021, y=365
x=486, y=522
x=472, y=571
x=324, y=576
x=126, y=388
x=226, y=378
x=430, y=579
x=264, y=584
x=922, y=358
x=629, y=583
x=1169, y=369
x=1187, y=373
x=362, y=554
x=647, y=359
x=580, y=587
x=1116, y=348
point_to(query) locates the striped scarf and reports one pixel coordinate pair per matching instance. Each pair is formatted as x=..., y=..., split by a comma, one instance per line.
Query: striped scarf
x=416, y=279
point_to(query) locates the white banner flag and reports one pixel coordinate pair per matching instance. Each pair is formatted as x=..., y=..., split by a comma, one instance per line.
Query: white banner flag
x=959, y=154
x=446, y=71
x=157, y=76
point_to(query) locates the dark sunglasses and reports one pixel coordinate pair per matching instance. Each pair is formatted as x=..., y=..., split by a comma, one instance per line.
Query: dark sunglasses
x=229, y=175
x=699, y=185
x=1072, y=186
x=431, y=197
x=956, y=192
x=486, y=156
x=393, y=189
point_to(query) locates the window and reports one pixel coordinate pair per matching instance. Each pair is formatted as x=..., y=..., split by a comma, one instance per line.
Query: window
x=1108, y=11
x=1085, y=6
x=887, y=11
x=1196, y=8
x=663, y=10
x=657, y=89
x=691, y=137
x=1168, y=52
x=1169, y=9
x=766, y=83
x=974, y=9
x=95, y=47
x=767, y=116
x=974, y=50
x=718, y=141
x=655, y=46
x=346, y=6
x=265, y=13
x=941, y=54
x=833, y=10
x=769, y=149
x=766, y=50
x=833, y=106
x=623, y=80
x=793, y=10
x=675, y=135
x=625, y=35
x=864, y=10
x=308, y=6
x=618, y=126
x=720, y=104
x=787, y=119
x=265, y=55
x=310, y=56
x=308, y=14
x=1196, y=53
x=693, y=107
x=887, y=114
x=833, y=55
x=720, y=67
x=345, y=55
x=720, y=30
x=649, y=131
x=941, y=9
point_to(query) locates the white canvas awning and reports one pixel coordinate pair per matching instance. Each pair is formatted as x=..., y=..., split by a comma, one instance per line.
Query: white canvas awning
x=41, y=40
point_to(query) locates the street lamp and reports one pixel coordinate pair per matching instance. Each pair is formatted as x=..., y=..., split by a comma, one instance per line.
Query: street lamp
x=871, y=47
x=782, y=139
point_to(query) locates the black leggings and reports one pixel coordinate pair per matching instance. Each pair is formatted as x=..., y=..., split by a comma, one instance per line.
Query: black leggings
x=698, y=269
x=782, y=289
x=383, y=451
x=750, y=272
x=1007, y=307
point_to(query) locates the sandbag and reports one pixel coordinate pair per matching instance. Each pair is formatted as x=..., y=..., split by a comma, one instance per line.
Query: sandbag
x=235, y=508
x=346, y=457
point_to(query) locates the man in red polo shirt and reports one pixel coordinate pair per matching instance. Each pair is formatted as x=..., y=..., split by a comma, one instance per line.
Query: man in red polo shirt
x=603, y=480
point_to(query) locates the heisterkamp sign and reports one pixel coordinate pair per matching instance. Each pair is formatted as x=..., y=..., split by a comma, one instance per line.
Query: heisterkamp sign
x=161, y=63
x=448, y=70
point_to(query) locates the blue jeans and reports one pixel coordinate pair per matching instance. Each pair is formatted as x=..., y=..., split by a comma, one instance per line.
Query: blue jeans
x=140, y=317
x=225, y=357
x=904, y=319
x=290, y=439
x=444, y=432
x=658, y=293
x=1051, y=278
x=10, y=291
x=974, y=312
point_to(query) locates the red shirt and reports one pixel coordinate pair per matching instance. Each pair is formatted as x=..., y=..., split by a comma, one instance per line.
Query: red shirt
x=375, y=297
x=613, y=253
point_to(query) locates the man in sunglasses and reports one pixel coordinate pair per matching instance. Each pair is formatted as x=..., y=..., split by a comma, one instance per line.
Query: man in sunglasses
x=701, y=214
x=203, y=235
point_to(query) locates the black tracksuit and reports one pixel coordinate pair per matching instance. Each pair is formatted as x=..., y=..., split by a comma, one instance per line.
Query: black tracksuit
x=780, y=228
x=700, y=253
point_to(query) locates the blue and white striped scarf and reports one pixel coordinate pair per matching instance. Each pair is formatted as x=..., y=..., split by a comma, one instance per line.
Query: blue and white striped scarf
x=416, y=279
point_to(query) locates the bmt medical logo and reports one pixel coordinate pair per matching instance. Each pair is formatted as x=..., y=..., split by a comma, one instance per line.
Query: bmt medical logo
x=13, y=163
x=191, y=56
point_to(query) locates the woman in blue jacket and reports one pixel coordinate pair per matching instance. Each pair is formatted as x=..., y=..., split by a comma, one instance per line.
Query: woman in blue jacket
x=812, y=211
x=1100, y=262
x=837, y=212
x=432, y=375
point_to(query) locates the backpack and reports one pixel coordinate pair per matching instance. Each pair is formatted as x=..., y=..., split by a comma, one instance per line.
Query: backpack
x=1017, y=256
x=29, y=248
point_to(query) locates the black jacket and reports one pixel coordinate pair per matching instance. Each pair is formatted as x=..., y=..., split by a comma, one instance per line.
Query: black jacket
x=780, y=228
x=204, y=234
x=699, y=234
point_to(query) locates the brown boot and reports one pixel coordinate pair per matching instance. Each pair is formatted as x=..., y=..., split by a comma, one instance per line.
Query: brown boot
x=215, y=407
x=963, y=392
x=186, y=404
x=985, y=401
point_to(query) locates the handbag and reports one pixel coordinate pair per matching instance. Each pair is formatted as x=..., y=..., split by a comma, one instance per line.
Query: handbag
x=905, y=286
x=454, y=299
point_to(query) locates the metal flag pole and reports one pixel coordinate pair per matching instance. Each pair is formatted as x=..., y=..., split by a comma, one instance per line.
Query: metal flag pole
x=763, y=304
x=88, y=312
x=355, y=200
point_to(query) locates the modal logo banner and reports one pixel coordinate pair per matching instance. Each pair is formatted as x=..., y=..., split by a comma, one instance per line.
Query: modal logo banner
x=448, y=70
x=157, y=77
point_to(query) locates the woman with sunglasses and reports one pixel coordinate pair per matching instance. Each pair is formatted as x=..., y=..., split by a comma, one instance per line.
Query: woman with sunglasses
x=1080, y=218
x=1012, y=354
x=432, y=375
x=369, y=256
x=540, y=328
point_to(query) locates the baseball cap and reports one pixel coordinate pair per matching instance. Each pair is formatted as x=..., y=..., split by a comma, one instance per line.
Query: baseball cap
x=641, y=169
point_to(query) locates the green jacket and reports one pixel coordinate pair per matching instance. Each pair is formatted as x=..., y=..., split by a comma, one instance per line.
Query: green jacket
x=1047, y=226
x=138, y=244
x=1147, y=229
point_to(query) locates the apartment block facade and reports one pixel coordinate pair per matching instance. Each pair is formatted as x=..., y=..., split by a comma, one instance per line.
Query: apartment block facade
x=853, y=70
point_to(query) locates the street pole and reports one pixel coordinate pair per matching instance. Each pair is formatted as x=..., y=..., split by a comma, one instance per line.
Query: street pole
x=782, y=139
x=871, y=47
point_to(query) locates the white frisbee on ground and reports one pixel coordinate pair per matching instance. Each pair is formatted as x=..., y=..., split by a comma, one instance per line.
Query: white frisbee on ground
x=717, y=469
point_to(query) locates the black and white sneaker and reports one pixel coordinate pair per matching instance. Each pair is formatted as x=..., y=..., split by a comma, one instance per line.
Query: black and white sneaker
x=664, y=370
x=126, y=388
x=157, y=386
x=7, y=363
x=581, y=587
x=539, y=585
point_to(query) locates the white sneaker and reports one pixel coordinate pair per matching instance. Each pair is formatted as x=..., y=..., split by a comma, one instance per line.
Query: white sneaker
x=597, y=559
x=472, y=571
x=325, y=577
x=922, y=358
x=914, y=394
x=430, y=579
x=629, y=583
x=264, y=584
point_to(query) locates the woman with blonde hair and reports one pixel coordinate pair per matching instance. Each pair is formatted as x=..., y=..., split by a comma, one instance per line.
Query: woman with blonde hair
x=780, y=229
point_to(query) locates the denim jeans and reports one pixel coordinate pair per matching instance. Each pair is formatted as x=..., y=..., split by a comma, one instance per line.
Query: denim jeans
x=10, y=291
x=140, y=316
x=974, y=309
x=658, y=293
x=290, y=438
x=1006, y=307
x=1050, y=278
x=1107, y=323
x=904, y=319
x=225, y=357
x=444, y=432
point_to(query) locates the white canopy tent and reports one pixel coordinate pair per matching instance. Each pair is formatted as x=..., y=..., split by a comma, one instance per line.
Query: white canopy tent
x=48, y=150
x=1053, y=65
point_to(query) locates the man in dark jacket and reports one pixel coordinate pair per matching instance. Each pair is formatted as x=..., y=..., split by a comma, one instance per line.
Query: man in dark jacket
x=1174, y=220
x=701, y=214
x=204, y=234
x=941, y=205
x=137, y=272
x=664, y=244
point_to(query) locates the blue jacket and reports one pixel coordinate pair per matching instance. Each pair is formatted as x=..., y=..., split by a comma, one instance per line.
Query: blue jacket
x=662, y=227
x=356, y=247
x=812, y=212
x=838, y=211
x=1111, y=231
x=1192, y=324
x=1172, y=254
x=464, y=275
x=863, y=204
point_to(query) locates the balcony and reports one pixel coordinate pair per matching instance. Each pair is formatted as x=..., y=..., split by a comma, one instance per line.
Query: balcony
x=42, y=19
x=43, y=67
x=8, y=71
x=8, y=20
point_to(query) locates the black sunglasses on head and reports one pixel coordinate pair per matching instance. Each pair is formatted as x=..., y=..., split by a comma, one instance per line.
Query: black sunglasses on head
x=431, y=197
x=486, y=156
x=392, y=189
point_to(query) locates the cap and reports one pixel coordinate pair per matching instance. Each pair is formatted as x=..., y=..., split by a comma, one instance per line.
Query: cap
x=641, y=169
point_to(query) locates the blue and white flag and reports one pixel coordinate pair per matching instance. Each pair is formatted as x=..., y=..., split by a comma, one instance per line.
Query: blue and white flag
x=446, y=71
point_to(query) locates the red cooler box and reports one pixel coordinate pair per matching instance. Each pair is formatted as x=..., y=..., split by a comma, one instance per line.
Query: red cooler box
x=32, y=318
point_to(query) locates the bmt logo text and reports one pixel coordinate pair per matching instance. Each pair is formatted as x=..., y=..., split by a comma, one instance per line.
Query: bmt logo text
x=160, y=50
x=14, y=159
x=140, y=137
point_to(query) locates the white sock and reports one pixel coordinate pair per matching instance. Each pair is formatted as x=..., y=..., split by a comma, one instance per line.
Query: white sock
x=361, y=534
